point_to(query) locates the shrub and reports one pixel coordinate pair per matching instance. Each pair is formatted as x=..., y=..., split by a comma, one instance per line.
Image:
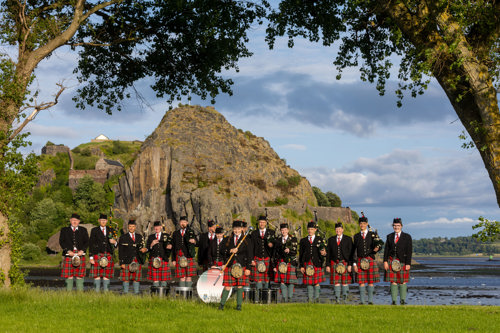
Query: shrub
x=85, y=152
x=282, y=184
x=294, y=180
x=281, y=201
x=76, y=150
x=30, y=252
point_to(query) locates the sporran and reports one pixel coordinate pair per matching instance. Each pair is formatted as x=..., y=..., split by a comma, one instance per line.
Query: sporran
x=283, y=267
x=103, y=262
x=309, y=270
x=237, y=271
x=76, y=261
x=261, y=266
x=183, y=262
x=340, y=268
x=365, y=264
x=157, y=262
x=133, y=267
x=396, y=265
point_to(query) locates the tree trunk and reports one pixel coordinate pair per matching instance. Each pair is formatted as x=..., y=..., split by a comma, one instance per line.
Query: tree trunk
x=4, y=250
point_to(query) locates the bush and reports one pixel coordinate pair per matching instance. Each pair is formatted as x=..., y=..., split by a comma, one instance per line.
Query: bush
x=281, y=201
x=119, y=148
x=294, y=180
x=30, y=252
x=320, y=197
x=282, y=184
x=333, y=199
x=85, y=152
x=76, y=150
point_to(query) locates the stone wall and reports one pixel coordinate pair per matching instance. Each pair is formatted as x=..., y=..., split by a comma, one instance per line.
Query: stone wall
x=53, y=150
x=99, y=176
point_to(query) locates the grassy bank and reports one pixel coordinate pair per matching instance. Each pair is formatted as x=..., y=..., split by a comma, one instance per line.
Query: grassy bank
x=44, y=311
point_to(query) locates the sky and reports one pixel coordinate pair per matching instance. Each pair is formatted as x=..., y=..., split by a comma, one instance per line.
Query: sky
x=341, y=135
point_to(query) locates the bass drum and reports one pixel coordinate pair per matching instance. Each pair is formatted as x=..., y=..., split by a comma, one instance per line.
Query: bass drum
x=205, y=288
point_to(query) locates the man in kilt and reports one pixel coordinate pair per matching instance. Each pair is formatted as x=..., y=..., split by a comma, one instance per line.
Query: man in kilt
x=237, y=245
x=101, y=245
x=130, y=252
x=183, y=246
x=206, y=239
x=398, y=248
x=159, y=247
x=74, y=241
x=338, y=259
x=262, y=244
x=311, y=252
x=215, y=250
x=364, y=249
x=285, y=251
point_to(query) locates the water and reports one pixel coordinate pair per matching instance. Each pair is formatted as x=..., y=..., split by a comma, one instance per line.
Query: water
x=437, y=281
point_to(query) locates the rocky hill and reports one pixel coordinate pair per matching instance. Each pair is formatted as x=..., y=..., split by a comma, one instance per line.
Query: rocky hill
x=197, y=164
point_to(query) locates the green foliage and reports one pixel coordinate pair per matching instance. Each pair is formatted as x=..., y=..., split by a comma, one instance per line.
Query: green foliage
x=119, y=148
x=85, y=152
x=320, y=197
x=282, y=184
x=452, y=246
x=278, y=201
x=90, y=199
x=49, y=143
x=30, y=252
x=333, y=199
x=490, y=231
x=354, y=216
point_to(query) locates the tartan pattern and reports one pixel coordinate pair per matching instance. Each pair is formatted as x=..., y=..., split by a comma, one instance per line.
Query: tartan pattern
x=403, y=276
x=289, y=277
x=255, y=275
x=369, y=276
x=161, y=273
x=97, y=271
x=68, y=270
x=189, y=270
x=230, y=281
x=315, y=279
x=336, y=278
x=126, y=275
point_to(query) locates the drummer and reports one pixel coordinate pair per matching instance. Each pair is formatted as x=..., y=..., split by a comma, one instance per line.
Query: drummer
x=159, y=250
x=262, y=243
x=236, y=272
x=339, y=262
x=311, y=262
x=364, y=249
x=215, y=258
x=184, y=241
x=129, y=252
x=397, y=261
x=285, y=256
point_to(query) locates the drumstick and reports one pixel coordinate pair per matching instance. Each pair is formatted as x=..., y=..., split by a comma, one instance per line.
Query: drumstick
x=231, y=257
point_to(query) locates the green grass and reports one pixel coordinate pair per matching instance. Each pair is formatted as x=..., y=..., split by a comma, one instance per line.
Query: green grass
x=35, y=310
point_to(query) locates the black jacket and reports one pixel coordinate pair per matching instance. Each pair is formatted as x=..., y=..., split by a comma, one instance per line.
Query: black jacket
x=215, y=251
x=99, y=243
x=310, y=252
x=279, y=249
x=402, y=250
x=181, y=243
x=339, y=252
x=203, y=246
x=243, y=256
x=260, y=245
x=160, y=249
x=128, y=249
x=69, y=239
x=363, y=248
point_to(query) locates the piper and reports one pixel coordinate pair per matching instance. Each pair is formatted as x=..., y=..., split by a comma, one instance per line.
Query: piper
x=286, y=262
x=102, y=245
x=159, y=247
x=183, y=243
x=129, y=251
x=262, y=244
x=311, y=251
x=74, y=240
x=215, y=258
x=206, y=239
x=339, y=261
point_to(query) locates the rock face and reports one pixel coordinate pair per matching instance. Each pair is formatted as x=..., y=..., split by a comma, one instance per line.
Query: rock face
x=197, y=164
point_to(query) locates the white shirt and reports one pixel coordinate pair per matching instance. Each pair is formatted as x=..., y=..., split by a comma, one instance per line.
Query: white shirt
x=262, y=232
x=311, y=238
x=284, y=239
x=397, y=235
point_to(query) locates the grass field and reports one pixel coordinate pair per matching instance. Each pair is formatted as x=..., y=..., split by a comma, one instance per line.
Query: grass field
x=33, y=310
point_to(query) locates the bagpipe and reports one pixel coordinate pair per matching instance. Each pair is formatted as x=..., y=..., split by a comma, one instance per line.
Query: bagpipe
x=323, y=243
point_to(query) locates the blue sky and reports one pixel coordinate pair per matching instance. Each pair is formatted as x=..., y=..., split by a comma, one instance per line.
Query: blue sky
x=386, y=161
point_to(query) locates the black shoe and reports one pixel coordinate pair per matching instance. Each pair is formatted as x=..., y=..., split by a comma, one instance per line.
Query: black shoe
x=221, y=307
x=238, y=307
x=370, y=303
x=403, y=302
x=393, y=303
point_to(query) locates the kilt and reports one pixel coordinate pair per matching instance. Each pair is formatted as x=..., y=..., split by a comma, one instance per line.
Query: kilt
x=336, y=278
x=289, y=277
x=105, y=272
x=317, y=278
x=188, y=271
x=126, y=275
x=369, y=276
x=230, y=281
x=161, y=273
x=257, y=276
x=68, y=270
x=403, y=276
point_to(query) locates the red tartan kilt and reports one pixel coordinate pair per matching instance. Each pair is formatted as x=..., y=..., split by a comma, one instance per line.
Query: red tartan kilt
x=188, y=271
x=315, y=279
x=403, y=276
x=68, y=270
x=230, y=281
x=336, y=278
x=97, y=271
x=369, y=276
x=289, y=277
x=255, y=275
x=161, y=273
x=126, y=275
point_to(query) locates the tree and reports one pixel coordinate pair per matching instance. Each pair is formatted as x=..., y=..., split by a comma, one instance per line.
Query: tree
x=455, y=41
x=320, y=197
x=181, y=45
x=333, y=199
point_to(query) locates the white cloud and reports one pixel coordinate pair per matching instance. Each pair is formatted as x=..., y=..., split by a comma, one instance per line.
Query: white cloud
x=51, y=131
x=294, y=146
x=442, y=221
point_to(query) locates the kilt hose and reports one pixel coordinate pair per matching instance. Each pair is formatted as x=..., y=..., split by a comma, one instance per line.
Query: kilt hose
x=230, y=281
x=289, y=277
x=369, y=276
x=336, y=278
x=403, y=276
x=314, y=279
x=68, y=270
x=161, y=273
x=188, y=271
x=127, y=275
x=257, y=276
x=96, y=271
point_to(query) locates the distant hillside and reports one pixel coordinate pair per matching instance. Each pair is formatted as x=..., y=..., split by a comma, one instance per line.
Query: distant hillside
x=453, y=246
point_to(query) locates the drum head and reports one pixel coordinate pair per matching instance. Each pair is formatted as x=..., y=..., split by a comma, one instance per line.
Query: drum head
x=76, y=261
x=207, y=291
x=183, y=262
x=237, y=271
x=157, y=262
x=283, y=267
x=365, y=264
x=133, y=267
x=340, y=268
x=261, y=267
x=396, y=265
x=309, y=270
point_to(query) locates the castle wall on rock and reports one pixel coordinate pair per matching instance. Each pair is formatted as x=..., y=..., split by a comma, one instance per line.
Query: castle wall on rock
x=99, y=176
x=54, y=149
